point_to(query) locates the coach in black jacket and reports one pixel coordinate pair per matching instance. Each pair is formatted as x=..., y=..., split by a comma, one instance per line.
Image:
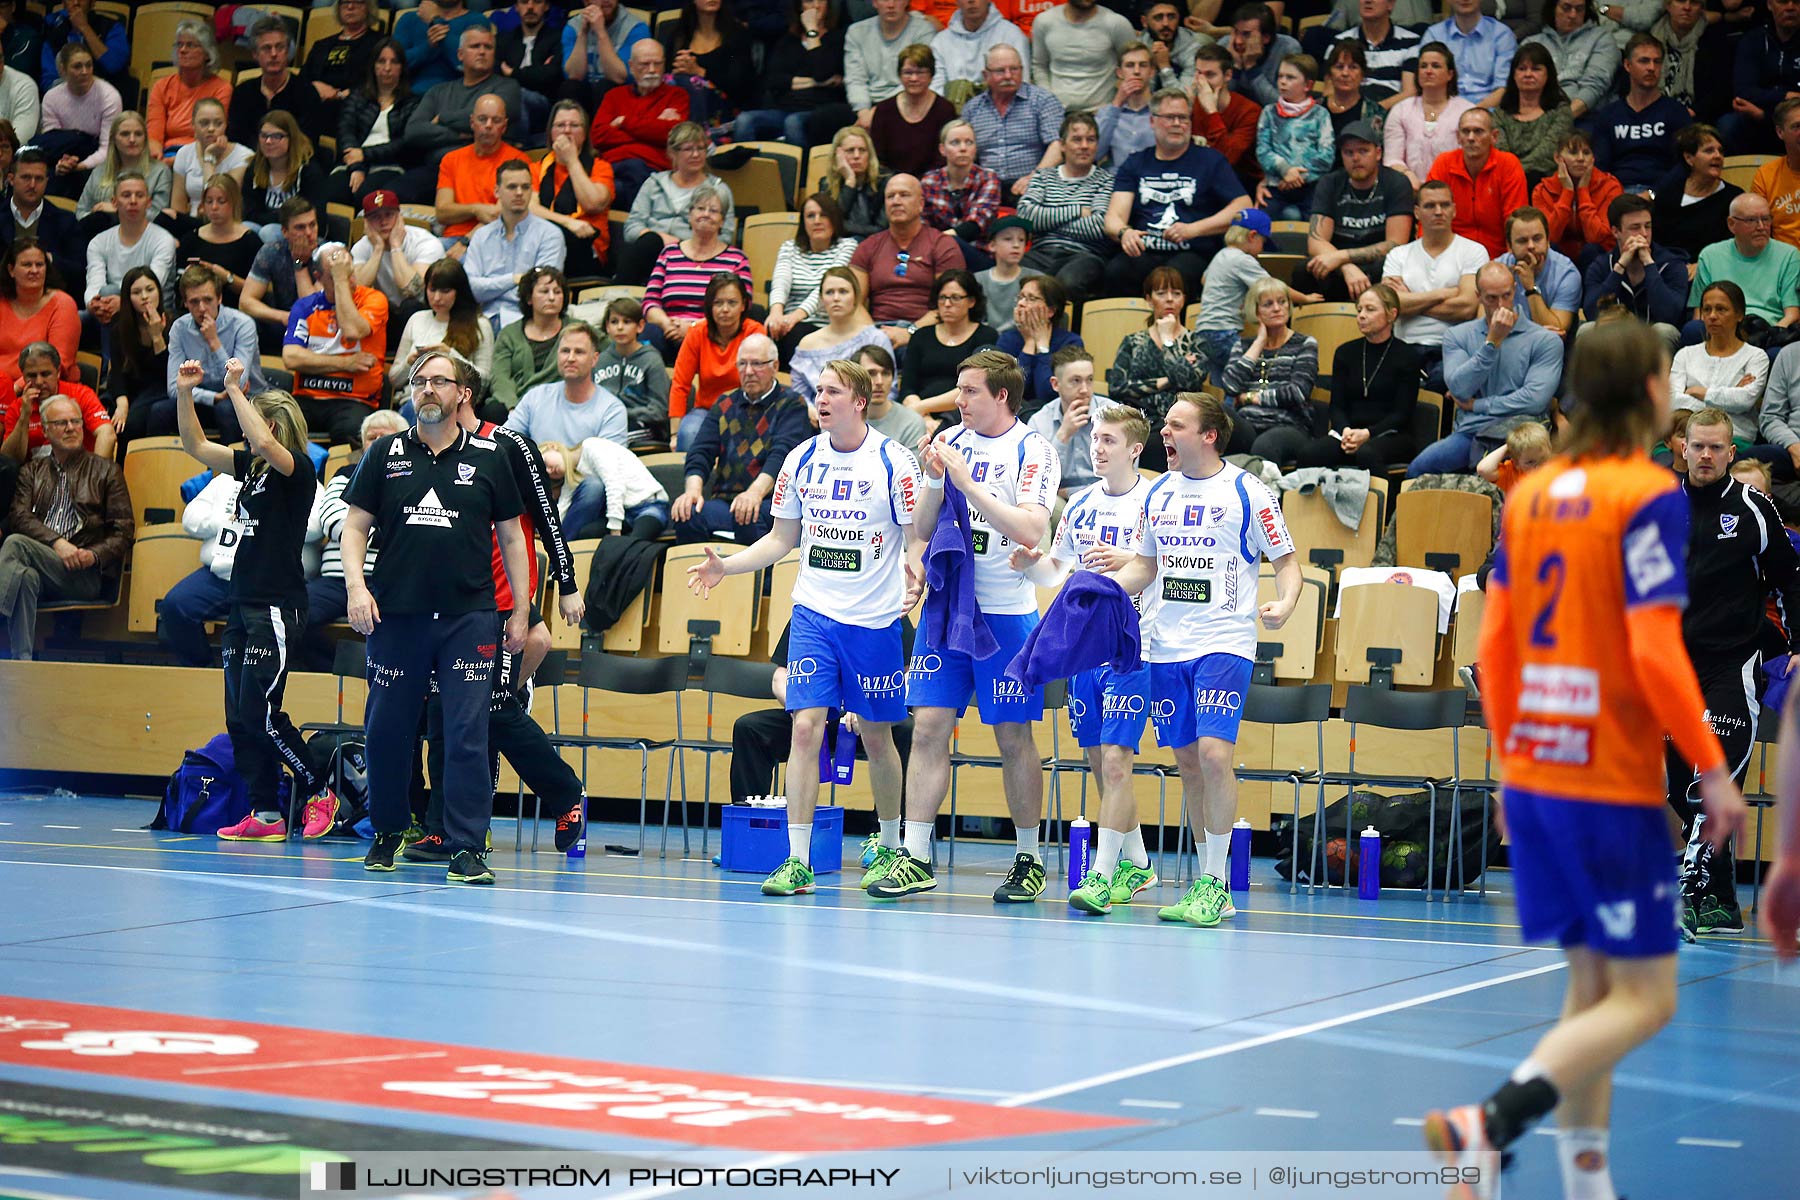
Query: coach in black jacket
x=1738, y=553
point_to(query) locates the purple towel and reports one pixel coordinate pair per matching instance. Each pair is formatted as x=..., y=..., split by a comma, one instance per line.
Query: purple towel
x=952, y=617
x=1091, y=623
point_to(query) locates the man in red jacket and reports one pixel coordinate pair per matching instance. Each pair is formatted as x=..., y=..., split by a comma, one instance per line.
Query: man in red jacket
x=1487, y=184
x=631, y=127
x=1225, y=118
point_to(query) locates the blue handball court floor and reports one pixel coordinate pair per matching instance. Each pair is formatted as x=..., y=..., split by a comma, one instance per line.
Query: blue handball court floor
x=217, y=1005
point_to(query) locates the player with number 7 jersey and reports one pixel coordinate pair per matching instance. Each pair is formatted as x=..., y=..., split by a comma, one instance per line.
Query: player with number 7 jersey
x=1206, y=527
x=845, y=499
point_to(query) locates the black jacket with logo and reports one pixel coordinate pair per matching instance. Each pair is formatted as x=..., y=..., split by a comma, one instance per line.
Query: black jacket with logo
x=1738, y=553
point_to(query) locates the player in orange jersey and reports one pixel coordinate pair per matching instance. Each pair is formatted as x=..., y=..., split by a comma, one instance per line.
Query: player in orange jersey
x=1583, y=672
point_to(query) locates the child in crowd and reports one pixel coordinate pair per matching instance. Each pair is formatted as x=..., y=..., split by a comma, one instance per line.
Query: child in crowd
x=634, y=372
x=1294, y=141
x=1227, y=281
x=1000, y=282
x=1525, y=449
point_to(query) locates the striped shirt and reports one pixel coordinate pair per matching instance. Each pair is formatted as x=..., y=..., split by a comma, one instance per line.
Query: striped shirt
x=332, y=511
x=1388, y=60
x=795, y=283
x=1053, y=204
x=678, y=283
x=1012, y=145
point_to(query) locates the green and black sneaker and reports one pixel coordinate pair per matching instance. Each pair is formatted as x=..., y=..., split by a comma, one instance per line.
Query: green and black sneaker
x=1713, y=915
x=381, y=855
x=791, y=878
x=880, y=864
x=1178, y=911
x=1023, y=884
x=1093, y=896
x=1129, y=879
x=468, y=867
x=906, y=876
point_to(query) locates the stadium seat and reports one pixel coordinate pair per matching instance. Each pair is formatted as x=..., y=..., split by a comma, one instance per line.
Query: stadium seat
x=788, y=160
x=782, y=577
x=1294, y=648
x=1287, y=238
x=818, y=166
x=1466, y=632
x=1443, y=531
x=1740, y=169
x=568, y=637
x=1331, y=325
x=1395, y=623
x=1107, y=323
x=733, y=604
x=1326, y=542
x=155, y=469
x=640, y=677
x=761, y=235
x=756, y=187
x=160, y=559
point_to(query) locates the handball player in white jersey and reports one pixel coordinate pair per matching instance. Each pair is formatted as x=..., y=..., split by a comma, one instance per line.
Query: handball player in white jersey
x=1206, y=524
x=846, y=498
x=1009, y=475
x=1099, y=531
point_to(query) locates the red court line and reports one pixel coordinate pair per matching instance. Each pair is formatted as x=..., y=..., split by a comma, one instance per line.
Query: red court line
x=695, y=1108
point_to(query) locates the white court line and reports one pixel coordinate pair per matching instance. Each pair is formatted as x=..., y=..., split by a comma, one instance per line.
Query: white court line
x=888, y=912
x=1168, y=1104
x=62, y=827
x=1297, y=1114
x=1714, y=1143
x=317, y=1062
x=863, y=1085
x=1265, y=1039
x=1410, y=1122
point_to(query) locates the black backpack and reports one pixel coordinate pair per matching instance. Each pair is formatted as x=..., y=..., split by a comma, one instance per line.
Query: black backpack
x=346, y=762
x=1405, y=825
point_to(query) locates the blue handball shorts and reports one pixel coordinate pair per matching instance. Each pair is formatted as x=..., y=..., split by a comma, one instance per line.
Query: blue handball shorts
x=1603, y=876
x=1108, y=707
x=832, y=665
x=1203, y=697
x=940, y=677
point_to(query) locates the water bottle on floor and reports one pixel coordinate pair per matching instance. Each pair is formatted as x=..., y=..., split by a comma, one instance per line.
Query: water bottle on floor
x=1081, y=851
x=1240, y=855
x=1368, y=867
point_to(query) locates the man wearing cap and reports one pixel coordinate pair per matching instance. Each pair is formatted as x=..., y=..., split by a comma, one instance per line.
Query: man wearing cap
x=1359, y=214
x=1169, y=203
x=391, y=257
x=501, y=251
x=336, y=346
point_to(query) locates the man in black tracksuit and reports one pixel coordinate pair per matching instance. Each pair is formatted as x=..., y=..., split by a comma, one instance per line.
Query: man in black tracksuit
x=1738, y=554
x=511, y=730
x=439, y=496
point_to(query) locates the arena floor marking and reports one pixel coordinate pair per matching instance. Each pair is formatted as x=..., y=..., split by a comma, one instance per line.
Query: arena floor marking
x=702, y=1108
x=1265, y=1039
x=728, y=880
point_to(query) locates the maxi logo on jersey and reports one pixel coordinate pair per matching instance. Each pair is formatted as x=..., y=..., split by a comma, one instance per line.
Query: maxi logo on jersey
x=436, y=1079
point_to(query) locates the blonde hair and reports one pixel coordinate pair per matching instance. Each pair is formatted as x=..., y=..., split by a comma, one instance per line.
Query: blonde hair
x=115, y=164
x=1528, y=438
x=853, y=376
x=285, y=418
x=1764, y=477
x=1238, y=236
x=834, y=183
x=1131, y=422
x=1261, y=290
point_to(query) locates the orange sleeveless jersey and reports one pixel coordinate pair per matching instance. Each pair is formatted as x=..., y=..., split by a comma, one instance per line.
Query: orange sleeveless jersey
x=1582, y=545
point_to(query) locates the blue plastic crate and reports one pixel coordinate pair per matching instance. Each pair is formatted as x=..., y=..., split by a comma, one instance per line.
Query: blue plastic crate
x=756, y=839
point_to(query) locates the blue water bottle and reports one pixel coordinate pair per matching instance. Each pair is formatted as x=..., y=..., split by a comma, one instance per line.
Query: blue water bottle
x=1081, y=851
x=1368, y=869
x=1240, y=856
x=844, y=767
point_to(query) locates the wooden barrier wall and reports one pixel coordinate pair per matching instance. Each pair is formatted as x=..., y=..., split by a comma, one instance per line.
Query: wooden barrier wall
x=137, y=720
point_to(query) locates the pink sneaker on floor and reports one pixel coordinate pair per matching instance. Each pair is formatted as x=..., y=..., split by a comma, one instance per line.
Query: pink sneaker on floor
x=254, y=829
x=321, y=814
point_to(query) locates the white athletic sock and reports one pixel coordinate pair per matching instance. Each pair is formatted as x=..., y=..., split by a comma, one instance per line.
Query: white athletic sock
x=1218, y=856
x=1028, y=842
x=268, y=815
x=890, y=834
x=1528, y=1070
x=1134, y=847
x=1106, y=860
x=1586, y=1167
x=918, y=840
x=800, y=841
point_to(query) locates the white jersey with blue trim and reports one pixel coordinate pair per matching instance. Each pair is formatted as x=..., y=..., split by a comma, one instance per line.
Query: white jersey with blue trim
x=853, y=510
x=1093, y=517
x=1208, y=536
x=1019, y=467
